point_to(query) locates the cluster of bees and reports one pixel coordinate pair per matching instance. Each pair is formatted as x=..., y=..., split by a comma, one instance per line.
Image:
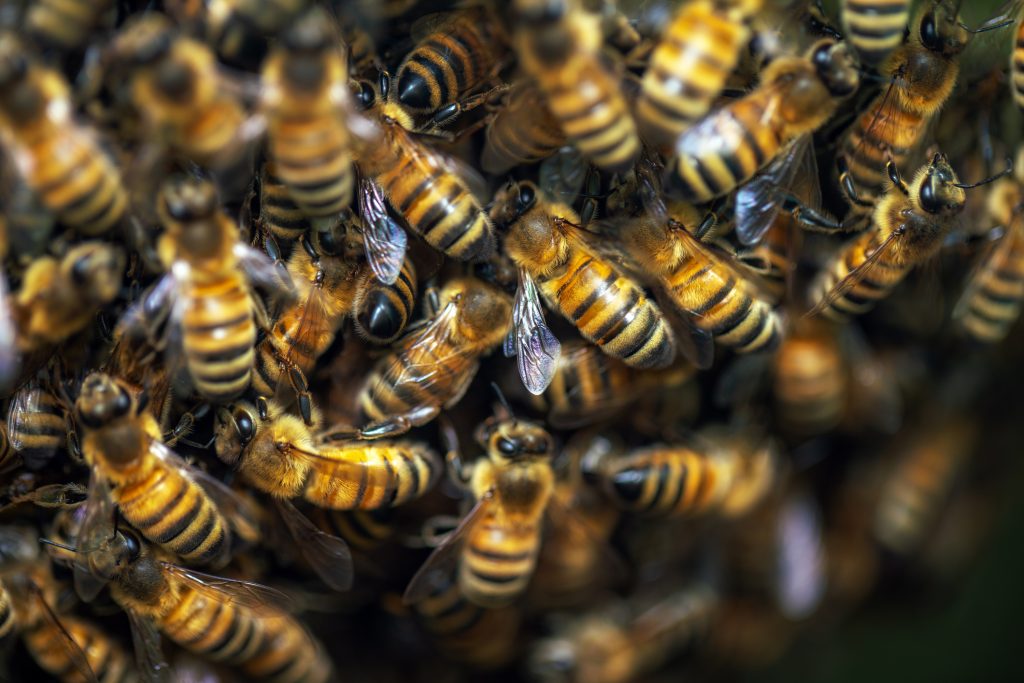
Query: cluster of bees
x=254, y=289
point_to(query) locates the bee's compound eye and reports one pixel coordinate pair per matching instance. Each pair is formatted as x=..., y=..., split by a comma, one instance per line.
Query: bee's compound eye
x=527, y=198
x=507, y=446
x=122, y=404
x=929, y=32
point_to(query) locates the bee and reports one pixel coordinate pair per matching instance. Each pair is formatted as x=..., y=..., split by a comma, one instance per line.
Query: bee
x=796, y=96
x=689, y=67
x=607, y=306
x=239, y=29
x=714, y=474
x=809, y=378
x=36, y=424
x=522, y=131
x=431, y=368
x=559, y=46
x=422, y=185
x=497, y=542
x=625, y=641
x=380, y=311
x=59, y=298
x=875, y=27
x=278, y=212
x=362, y=530
x=991, y=301
x=308, y=107
x=1017, y=67
x=175, y=88
x=66, y=25
x=58, y=157
x=237, y=623
x=206, y=293
x=456, y=54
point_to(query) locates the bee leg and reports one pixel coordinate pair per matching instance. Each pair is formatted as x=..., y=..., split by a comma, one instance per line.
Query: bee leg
x=897, y=180
x=809, y=218
x=846, y=182
x=185, y=425
x=458, y=471
x=301, y=388
x=400, y=424
x=706, y=225
x=259, y=311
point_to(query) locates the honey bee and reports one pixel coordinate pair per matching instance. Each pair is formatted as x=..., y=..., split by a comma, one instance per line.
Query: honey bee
x=875, y=27
x=496, y=544
x=522, y=131
x=627, y=640
x=205, y=297
x=237, y=623
x=796, y=96
x=278, y=212
x=717, y=473
x=431, y=368
x=559, y=46
x=608, y=307
x=36, y=424
x=455, y=53
x=239, y=29
x=363, y=530
x=422, y=185
x=690, y=65
x=381, y=311
x=59, y=298
x=57, y=156
x=66, y=25
x=809, y=378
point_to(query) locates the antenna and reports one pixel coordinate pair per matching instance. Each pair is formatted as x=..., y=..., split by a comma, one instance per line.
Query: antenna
x=1006, y=171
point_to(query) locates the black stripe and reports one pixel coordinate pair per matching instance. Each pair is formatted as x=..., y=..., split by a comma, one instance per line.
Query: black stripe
x=488, y=577
x=684, y=473
x=391, y=485
x=716, y=298
x=221, y=356
x=709, y=180
x=413, y=196
x=595, y=293
x=733, y=320
x=182, y=523
x=164, y=511
x=617, y=321
x=661, y=478
x=218, y=608
x=753, y=144
x=199, y=536
x=755, y=329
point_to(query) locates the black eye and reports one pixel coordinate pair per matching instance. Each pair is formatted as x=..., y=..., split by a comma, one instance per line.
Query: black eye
x=122, y=404
x=80, y=271
x=385, y=85
x=930, y=202
x=327, y=243
x=366, y=96
x=131, y=544
x=527, y=198
x=930, y=33
x=507, y=446
x=244, y=425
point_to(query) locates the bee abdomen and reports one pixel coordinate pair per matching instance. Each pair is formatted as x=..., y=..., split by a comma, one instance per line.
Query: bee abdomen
x=444, y=67
x=287, y=654
x=49, y=648
x=664, y=482
x=875, y=27
x=278, y=209
x=1017, y=67
x=313, y=160
x=523, y=132
x=66, y=24
x=997, y=303
x=497, y=564
x=213, y=131
x=403, y=472
x=364, y=530
x=218, y=338
x=880, y=134
x=79, y=183
x=217, y=629
x=873, y=286
x=40, y=433
x=382, y=311
x=8, y=620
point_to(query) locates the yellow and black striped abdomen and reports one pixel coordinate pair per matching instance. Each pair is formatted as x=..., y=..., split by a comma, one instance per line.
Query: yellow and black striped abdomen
x=8, y=619
x=522, y=132
x=809, y=385
x=873, y=285
x=38, y=433
x=212, y=131
x=498, y=560
x=278, y=210
x=390, y=474
x=218, y=335
x=77, y=181
x=875, y=27
x=380, y=311
x=688, y=69
x=998, y=292
x=65, y=24
x=879, y=134
x=173, y=511
x=48, y=646
x=313, y=157
x=610, y=310
x=587, y=384
x=1017, y=67
x=363, y=530
x=287, y=654
x=218, y=629
x=722, y=303
x=665, y=480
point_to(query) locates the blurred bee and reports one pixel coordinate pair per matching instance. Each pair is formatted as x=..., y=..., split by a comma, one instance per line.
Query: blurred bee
x=522, y=131
x=239, y=29
x=455, y=53
x=809, y=379
x=36, y=424
x=608, y=308
x=425, y=187
x=278, y=212
x=66, y=25
x=363, y=530
x=796, y=96
x=496, y=544
x=875, y=27
x=714, y=474
x=689, y=67
x=176, y=89
x=237, y=623
x=58, y=299
x=624, y=641
x=1017, y=67
x=431, y=368
x=58, y=157
x=559, y=46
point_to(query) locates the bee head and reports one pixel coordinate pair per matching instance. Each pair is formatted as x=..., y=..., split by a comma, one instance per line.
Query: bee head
x=836, y=66
x=537, y=12
x=512, y=202
x=188, y=204
x=96, y=270
x=145, y=39
x=511, y=439
x=130, y=562
x=234, y=429
x=939, y=28
x=938, y=192
x=310, y=33
x=101, y=401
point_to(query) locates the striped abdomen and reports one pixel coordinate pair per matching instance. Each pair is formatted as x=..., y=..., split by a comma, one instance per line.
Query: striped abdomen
x=875, y=27
x=722, y=303
x=498, y=560
x=810, y=384
x=278, y=211
x=287, y=654
x=312, y=152
x=380, y=311
x=447, y=64
x=725, y=149
x=173, y=511
x=588, y=385
x=436, y=203
x=212, y=131
x=77, y=181
x=66, y=24
x=667, y=480
x=49, y=648
x=296, y=337
x=688, y=69
x=218, y=334
x=879, y=134
x=522, y=132
x=363, y=530
x=409, y=378
x=1017, y=67
x=8, y=620
x=998, y=291
x=873, y=285
x=390, y=474
x=38, y=433
x=610, y=310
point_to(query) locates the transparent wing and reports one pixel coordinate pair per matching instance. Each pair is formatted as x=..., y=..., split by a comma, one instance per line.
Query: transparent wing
x=149, y=656
x=254, y=596
x=8, y=335
x=26, y=402
x=536, y=349
x=854, y=276
x=759, y=201
x=261, y=270
x=562, y=175
x=445, y=555
x=150, y=310
x=800, y=568
x=68, y=644
x=383, y=238
x=314, y=320
x=96, y=531
x=328, y=555
x=434, y=337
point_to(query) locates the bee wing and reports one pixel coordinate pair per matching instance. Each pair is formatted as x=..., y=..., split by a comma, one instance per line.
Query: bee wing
x=759, y=201
x=68, y=644
x=51, y=496
x=254, y=596
x=328, y=555
x=314, y=318
x=800, y=569
x=383, y=238
x=96, y=530
x=851, y=279
x=446, y=554
x=8, y=336
x=25, y=402
x=261, y=270
x=530, y=340
x=149, y=656
x=150, y=311
x=433, y=336
x=563, y=173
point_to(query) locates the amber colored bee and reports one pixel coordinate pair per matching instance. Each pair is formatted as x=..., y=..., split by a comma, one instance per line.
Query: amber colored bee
x=690, y=65
x=66, y=24
x=278, y=212
x=522, y=131
x=559, y=46
x=362, y=530
x=498, y=541
x=456, y=53
x=36, y=424
x=809, y=379
x=431, y=368
x=795, y=97
x=58, y=157
x=875, y=27
x=59, y=298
